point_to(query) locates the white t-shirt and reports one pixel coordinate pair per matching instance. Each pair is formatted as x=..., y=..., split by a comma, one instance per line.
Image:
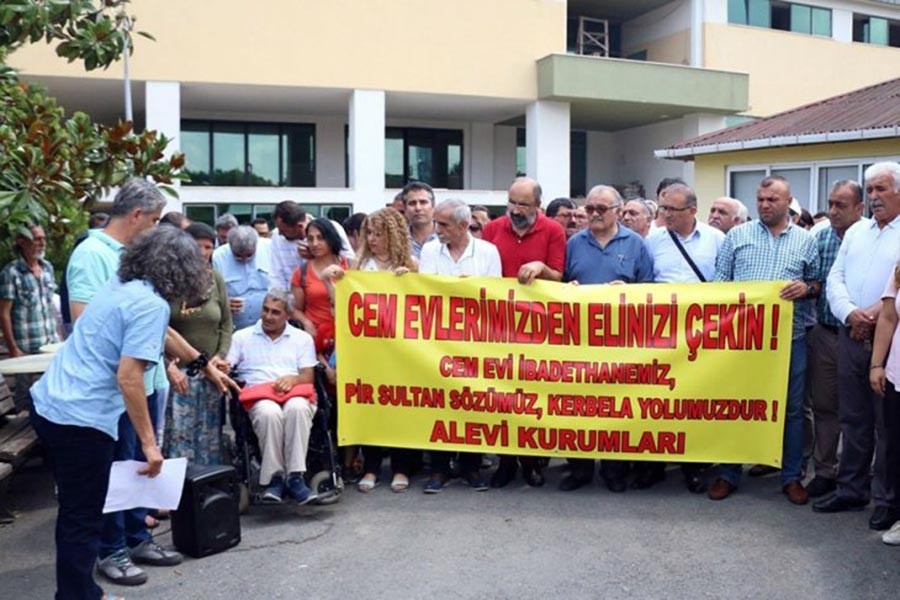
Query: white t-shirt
x=479, y=259
x=257, y=358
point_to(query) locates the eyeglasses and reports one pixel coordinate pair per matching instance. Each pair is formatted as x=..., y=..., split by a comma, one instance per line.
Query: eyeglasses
x=600, y=209
x=673, y=209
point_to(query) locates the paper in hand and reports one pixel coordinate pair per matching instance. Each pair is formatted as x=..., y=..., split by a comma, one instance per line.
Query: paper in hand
x=129, y=490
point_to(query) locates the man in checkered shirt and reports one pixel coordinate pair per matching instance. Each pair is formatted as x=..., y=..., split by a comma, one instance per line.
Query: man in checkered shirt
x=774, y=249
x=27, y=315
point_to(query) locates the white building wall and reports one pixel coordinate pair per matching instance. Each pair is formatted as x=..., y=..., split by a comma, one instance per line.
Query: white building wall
x=634, y=154
x=601, y=158
x=660, y=23
x=504, y=156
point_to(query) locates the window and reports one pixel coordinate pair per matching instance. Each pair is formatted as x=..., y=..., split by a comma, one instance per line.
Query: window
x=434, y=156
x=785, y=16
x=743, y=184
x=249, y=154
x=876, y=30
x=827, y=178
x=245, y=213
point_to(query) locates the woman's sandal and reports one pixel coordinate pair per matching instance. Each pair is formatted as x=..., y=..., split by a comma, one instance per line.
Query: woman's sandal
x=366, y=485
x=400, y=483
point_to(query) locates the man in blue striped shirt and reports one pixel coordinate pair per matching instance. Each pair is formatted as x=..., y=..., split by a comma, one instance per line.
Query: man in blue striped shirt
x=774, y=249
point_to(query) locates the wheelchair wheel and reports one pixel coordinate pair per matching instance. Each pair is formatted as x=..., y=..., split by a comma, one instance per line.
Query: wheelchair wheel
x=323, y=485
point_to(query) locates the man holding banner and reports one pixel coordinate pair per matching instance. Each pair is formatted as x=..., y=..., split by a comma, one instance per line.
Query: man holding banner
x=457, y=254
x=605, y=252
x=774, y=249
x=684, y=251
x=531, y=247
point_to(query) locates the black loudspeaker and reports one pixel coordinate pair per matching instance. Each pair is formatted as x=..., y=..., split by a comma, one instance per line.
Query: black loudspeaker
x=207, y=520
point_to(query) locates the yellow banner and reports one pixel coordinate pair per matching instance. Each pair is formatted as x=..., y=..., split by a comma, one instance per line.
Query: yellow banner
x=691, y=372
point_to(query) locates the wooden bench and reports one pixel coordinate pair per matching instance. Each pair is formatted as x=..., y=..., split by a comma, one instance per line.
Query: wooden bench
x=17, y=440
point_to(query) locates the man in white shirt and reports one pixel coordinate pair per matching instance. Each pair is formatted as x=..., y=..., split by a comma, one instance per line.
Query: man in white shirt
x=274, y=352
x=457, y=254
x=864, y=262
x=286, y=239
x=684, y=251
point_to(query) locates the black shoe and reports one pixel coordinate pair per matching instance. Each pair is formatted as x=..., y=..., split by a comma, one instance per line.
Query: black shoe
x=616, y=485
x=502, y=476
x=835, y=503
x=819, y=486
x=647, y=479
x=695, y=483
x=761, y=470
x=533, y=477
x=883, y=518
x=570, y=483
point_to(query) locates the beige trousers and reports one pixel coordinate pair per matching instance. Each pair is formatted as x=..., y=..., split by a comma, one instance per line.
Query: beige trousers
x=283, y=432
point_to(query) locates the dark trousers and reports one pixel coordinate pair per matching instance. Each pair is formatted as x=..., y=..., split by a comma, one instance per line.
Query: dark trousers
x=583, y=469
x=862, y=426
x=528, y=462
x=469, y=462
x=403, y=460
x=892, y=426
x=823, y=396
x=81, y=459
x=127, y=528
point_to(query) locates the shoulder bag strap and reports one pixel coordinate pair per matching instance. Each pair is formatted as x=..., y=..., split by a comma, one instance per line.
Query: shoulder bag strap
x=686, y=256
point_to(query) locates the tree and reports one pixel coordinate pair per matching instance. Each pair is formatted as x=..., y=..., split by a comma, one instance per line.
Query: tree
x=54, y=166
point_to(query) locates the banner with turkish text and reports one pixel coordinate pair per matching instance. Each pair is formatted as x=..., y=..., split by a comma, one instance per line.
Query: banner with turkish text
x=682, y=373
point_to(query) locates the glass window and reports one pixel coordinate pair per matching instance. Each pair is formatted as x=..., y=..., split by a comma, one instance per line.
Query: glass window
x=743, y=186
x=195, y=145
x=299, y=156
x=827, y=178
x=393, y=158
x=737, y=12
x=578, y=164
x=228, y=154
x=878, y=31
x=521, y=153
x=262, y=155
x=801, y=18
x=800, y=180
x=759, y=13
x=821, y=21
x=201, y=213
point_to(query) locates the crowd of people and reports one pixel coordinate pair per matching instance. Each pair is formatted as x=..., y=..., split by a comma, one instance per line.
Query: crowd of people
x=167, y=316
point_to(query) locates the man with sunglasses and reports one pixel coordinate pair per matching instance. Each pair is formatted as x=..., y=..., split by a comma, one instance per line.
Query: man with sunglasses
x=532, y=246
x=605, y=252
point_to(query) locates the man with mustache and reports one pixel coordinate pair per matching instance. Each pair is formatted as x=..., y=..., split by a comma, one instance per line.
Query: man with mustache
x=864, y=263
x=531, y=247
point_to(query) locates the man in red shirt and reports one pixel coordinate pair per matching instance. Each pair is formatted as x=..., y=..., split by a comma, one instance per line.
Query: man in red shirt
x=531, y=247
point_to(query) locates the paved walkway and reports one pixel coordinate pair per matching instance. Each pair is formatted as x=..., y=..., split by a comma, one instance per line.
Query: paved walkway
x=512, y=543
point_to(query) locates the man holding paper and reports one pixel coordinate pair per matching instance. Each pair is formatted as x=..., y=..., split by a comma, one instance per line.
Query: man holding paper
x=97, y=375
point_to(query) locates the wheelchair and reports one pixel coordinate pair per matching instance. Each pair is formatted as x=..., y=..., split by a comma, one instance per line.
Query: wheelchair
x=323, y=471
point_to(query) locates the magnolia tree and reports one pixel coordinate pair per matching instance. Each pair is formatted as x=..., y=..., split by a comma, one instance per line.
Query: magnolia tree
x=54, y=166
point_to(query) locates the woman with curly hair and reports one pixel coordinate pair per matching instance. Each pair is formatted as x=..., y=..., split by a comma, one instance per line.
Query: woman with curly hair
x=384, y=246
x=193, y=415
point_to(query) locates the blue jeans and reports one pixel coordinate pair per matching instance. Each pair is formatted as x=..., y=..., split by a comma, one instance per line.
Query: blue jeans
x=127, y=529
x=792, y=450
x=81, y=458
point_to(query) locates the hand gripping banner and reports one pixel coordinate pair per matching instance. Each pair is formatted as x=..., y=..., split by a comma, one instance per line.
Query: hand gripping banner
x=689, y=372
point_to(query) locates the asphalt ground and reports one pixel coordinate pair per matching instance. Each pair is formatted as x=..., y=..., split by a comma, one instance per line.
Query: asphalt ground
x=518, y=542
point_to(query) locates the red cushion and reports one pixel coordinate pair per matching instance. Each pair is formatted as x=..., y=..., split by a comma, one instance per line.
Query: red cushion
x=266, y=391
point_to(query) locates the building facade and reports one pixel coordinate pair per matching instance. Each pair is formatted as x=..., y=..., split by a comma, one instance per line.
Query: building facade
x=337, y=104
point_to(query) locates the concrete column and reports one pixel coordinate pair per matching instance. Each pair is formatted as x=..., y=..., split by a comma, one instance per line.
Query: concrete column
x=547, y=130
x=697, y=14
x=330, y=153
x=482, y=156
x=162, y=101
x=842, y=25
x=366, y=146
x=504, y=156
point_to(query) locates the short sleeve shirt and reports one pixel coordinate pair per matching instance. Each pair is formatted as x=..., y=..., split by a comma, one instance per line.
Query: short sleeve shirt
x=32, y=313
x=80, y=386
x=544, y=242
x=257, y=358
x=479, y=259
x=93, y=264
x=892, y=368
x=670, y=265
x=624, y=258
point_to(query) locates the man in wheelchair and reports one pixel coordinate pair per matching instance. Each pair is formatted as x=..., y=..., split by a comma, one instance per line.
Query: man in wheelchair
x=276, y=361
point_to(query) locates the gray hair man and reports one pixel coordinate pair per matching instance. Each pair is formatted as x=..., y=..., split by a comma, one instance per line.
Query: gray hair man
x=244, y=265
x=458, y=254
x=637, y=216
x=855, y=284
x=274, y=353
x=726, y=213
x=224, y=224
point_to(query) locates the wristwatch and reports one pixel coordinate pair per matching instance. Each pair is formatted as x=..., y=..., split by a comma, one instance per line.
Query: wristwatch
x=197, y=365
x=810, y=291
